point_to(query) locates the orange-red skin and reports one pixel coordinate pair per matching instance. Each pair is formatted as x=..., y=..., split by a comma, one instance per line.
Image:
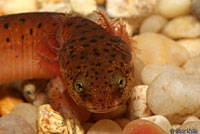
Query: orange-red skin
x=23, y=47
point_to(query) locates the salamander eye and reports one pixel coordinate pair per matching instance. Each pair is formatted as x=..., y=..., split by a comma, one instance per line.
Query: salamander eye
x=121, y=82
x=79, y=86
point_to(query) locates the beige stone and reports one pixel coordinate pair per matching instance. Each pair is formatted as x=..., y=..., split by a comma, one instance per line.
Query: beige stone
x=158, y=49
x=182, y=27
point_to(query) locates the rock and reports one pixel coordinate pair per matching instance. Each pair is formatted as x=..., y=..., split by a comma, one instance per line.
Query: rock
x=50, y=121
x=9, y=97
x=196, y=8
x=137, y=104
x=110, y=115
x=182, y=27
x=15, y=124
x=192, y=45
x=158, y=49
x=142, y=127
x=151, y=71
x=160, y=121
x=105, y=126
x=138, y=66
x=122, y=122
x=100, y=2
x=191, y=118
x=17, y=6
x=84, y=7
x=153, y=23
x=130, y=8
x=59, y=7
x=192, y=126
x=28, y=112
x=192, y=66
x=175, y=96
x=174, y=8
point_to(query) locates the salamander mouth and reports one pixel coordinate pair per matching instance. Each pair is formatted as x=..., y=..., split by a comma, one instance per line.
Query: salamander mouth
x=104, y=109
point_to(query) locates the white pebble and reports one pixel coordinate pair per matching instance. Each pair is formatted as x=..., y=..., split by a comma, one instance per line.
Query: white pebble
x=174, y=95
x=174, y=8
x=153, y=23
x=105, y=126
x=137, y=104
x=160, y=121
x=59, y=7
x=192, y=66
x=84, y=7
x=28, y=112
x=18, y=6
x=158, y=49
x=192, y=126
x=192, y=45
x=130, y=8
x=191, y=118
x=182, y=27
x=151, y=71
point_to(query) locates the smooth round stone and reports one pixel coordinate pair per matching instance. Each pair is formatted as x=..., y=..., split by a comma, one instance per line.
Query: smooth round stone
x=18, y=6
x=28, y=112
x=174, y=8
x=192, y=45
x=196, y=8
x=192, y=66
x=182, y=27
x=158, y=49
x=151, y=71
x=138, y=66
x=84, y=7
x=105, y=126
x=194, y=126
x=174, y=95
x=15, y=124
x=191, y=118
x=153, y=23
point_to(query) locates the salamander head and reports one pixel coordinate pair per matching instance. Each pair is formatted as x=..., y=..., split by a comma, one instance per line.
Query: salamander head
x=97, y=70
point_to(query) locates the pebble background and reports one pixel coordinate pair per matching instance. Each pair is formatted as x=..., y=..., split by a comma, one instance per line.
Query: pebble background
x=167, y=71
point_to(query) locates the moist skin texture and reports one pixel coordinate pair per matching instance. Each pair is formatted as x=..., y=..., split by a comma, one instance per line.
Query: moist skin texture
x=94, y=63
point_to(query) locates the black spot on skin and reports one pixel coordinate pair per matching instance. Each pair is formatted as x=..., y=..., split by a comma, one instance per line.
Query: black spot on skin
x=71, y=47
x=71, y=52
x=94, y=28
x=121, y=64
x=104, y=77
x=69, y=24
x=85, y=66
x=85, y=45
x=91, y=83
x=54, y=24
x=82, y=38
x=96, y=78
x=109, y=71
x=123, y=56
x=8, y=40
x=72, y=41
x=108, y=44
x=82, y=57
x=31, y=31
x=110, y=61
x=78, y=67
x=78, y=26
x=114, y=49
x=22, y=37
x=96, y=54
x=114, y=41
x=22, y=20
x=83, y=32
x=105, y=82
x=39, y=25
x=16, y=56
x=106, y=50
x=96, y=72
x=127, y=71
x=93, y=41
x=101, y=36
x=98, y=64
x=112, y=55
x=6, y=26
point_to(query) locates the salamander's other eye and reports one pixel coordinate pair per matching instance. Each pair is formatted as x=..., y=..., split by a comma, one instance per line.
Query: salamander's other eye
x=121, y=82
x=79, y=86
